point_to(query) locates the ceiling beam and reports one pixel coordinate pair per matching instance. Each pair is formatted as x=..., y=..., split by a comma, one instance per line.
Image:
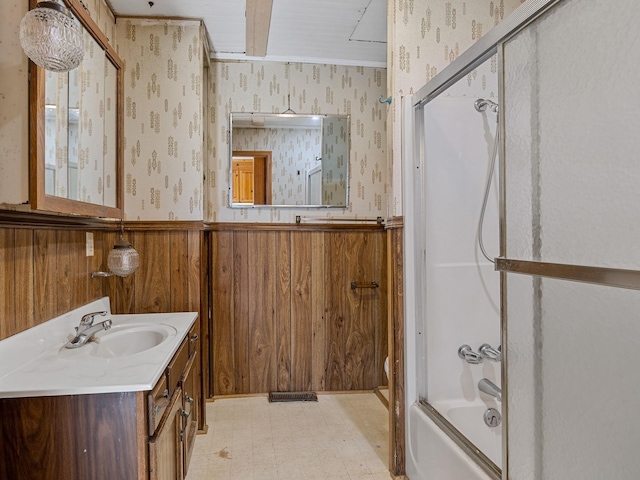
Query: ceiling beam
x=258, y=23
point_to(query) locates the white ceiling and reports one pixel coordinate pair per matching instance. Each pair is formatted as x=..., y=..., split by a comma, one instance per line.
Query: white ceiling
x=341, y=32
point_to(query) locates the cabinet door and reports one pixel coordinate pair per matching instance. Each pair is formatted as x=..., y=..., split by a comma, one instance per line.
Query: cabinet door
x=190, y=411
x=165, y=447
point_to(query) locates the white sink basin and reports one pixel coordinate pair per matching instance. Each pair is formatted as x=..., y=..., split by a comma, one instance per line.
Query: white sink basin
x=126, y=340
x=123, y=340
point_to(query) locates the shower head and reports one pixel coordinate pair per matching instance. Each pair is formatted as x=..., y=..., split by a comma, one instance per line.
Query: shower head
x=481, y=105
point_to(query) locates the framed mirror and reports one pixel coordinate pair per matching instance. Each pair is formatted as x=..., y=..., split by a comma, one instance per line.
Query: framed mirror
x=76, y=135
x=288, y=160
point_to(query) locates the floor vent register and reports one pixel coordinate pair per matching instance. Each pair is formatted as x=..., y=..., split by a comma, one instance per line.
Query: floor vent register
x=293, y=397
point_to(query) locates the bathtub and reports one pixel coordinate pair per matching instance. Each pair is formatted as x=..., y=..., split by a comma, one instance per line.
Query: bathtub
x=432, y=455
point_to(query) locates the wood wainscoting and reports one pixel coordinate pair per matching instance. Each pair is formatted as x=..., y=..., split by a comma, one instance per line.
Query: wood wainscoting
x=172, y=277
x=284, y=315
x=45, y=273
x=397, y=450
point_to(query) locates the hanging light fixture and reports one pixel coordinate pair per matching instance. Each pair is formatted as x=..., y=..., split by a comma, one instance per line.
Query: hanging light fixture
x=51, y=37
x=123, y=259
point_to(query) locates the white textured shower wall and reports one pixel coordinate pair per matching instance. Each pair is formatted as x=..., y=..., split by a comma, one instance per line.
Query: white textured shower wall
x=312, y=89
x=462, y=288
x=571, y=103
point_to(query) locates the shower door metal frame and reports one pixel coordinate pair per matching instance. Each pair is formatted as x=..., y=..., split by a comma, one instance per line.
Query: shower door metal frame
x=487, y=46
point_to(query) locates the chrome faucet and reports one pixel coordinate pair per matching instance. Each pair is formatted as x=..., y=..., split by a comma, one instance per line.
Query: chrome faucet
x=469, y=356
x=490, y=388
x=86, y=330
x=490, y=353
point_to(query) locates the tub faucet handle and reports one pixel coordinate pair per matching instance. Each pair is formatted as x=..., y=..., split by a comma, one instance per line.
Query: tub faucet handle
x=490, y=353
x=469, y=356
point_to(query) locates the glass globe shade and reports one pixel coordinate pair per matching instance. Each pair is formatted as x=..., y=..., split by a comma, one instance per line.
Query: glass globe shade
x=123, y=260
x=51, y=37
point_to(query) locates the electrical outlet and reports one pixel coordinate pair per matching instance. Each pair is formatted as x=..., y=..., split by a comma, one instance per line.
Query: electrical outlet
x=89, y=244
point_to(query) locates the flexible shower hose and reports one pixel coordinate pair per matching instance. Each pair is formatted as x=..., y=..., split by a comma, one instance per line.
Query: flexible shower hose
x=486, y=195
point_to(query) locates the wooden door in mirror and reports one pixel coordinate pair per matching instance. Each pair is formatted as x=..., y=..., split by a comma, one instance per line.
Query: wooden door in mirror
x=75, y=134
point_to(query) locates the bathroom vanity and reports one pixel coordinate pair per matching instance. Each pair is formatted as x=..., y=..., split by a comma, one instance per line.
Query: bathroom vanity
x=123, y=406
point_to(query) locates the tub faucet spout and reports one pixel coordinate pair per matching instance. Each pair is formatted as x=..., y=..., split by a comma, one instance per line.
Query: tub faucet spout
x=490, y=388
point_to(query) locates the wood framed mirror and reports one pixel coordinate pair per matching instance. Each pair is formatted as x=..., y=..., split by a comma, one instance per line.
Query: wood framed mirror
x=75, y=133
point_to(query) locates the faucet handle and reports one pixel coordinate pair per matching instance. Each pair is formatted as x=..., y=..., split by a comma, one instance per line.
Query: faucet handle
x=88, y=318
x=469, y=356
x=490, y=353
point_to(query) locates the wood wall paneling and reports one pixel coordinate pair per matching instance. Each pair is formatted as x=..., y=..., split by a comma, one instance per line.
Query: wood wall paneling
x=24, y=277
x=335, y=310
x=318, y=324
x=223, y=329
x=284, y=316
x=8, y=283
x=262, y=308
x=45, y=273
x=284, y=330
x=396, y=353
x=240, y=312
x=153, y=281
x=300, y=315
x=64, y=268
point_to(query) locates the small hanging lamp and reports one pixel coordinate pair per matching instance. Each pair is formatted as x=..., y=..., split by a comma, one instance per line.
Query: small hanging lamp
x=123, y=259
x=51, y=37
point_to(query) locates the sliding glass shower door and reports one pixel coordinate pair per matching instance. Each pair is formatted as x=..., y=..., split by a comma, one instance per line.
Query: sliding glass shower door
x=572, y=266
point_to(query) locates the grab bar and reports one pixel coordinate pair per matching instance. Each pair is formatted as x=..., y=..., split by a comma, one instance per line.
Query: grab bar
x=490, y=388
x=355, y=285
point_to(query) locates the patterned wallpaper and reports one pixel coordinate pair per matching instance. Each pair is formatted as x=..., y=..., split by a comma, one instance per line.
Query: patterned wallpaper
x=162, y=118
x=272, y=87
x=293, y=153
x=425, y=37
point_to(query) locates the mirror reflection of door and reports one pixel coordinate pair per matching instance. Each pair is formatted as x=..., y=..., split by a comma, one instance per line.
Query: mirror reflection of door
x=251, y=175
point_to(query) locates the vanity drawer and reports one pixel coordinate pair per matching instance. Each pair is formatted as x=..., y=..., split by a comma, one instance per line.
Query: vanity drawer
x=177, y=365
x=158, y=400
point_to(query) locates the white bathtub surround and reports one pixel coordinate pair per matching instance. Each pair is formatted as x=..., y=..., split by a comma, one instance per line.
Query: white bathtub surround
x=468, y=418
x=458, y=287
x=462, y=288
x=433, y=455
x=35, y=362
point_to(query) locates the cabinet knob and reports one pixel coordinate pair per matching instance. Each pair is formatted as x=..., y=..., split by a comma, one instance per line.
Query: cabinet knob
x=194, y=337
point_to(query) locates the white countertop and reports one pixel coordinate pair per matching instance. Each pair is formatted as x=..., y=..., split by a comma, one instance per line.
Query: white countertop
x=35, y=362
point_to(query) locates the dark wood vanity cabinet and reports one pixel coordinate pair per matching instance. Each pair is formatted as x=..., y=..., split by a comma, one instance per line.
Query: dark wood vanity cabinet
x=130, y=435
x=173, y=432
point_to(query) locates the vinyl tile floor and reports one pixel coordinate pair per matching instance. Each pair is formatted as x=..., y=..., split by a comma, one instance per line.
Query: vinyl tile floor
x=340, y=437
